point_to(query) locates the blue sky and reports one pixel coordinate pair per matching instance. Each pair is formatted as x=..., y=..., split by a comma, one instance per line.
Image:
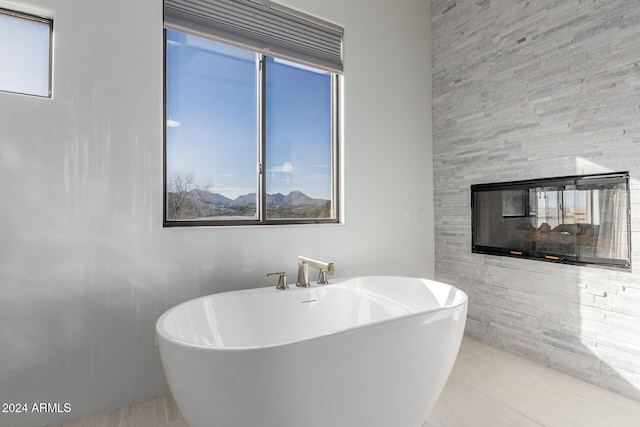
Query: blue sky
x=211, y=92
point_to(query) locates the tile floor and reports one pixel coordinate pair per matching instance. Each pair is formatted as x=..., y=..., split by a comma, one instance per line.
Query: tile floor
x=488, y=387
x=491, y=387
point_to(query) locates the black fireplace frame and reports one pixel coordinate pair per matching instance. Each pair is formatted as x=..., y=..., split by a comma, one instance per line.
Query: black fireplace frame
x=514, y=206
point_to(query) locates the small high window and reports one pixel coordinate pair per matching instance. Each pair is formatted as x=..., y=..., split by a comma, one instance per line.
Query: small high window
x=575, y=220
x=25, y=53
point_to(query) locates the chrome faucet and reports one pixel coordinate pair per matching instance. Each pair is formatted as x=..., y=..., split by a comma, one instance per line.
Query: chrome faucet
x=303, y=270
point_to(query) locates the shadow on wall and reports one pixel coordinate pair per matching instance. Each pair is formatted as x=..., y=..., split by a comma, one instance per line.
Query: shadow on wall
x=559, y=334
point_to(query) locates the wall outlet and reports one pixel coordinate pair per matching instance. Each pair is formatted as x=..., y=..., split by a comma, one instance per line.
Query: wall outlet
x=406, y=216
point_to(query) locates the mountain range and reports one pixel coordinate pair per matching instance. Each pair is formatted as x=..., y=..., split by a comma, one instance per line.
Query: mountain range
x=294, y=198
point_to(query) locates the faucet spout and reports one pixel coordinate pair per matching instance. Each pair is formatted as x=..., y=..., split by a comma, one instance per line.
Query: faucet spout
x=322, y=266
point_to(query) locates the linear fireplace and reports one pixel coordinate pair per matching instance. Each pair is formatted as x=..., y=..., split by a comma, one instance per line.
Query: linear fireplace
x=575, y=220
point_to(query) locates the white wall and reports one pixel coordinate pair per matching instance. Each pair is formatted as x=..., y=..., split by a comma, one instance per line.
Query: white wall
x=85, y=265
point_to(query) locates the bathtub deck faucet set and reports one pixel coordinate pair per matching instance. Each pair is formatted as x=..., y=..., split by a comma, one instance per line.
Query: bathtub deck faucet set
x=303, y=273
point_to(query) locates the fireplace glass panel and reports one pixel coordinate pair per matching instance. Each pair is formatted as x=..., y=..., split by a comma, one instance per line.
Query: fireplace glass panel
x=579, y=220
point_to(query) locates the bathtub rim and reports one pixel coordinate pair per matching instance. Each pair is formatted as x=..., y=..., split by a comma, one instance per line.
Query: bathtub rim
x=161, y=332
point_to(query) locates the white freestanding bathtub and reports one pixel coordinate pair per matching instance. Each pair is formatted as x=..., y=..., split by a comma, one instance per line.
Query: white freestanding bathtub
x=369, y=351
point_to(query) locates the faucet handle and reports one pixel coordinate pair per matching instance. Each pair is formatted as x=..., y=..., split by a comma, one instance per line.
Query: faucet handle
x=322, y=277
x=282, y=279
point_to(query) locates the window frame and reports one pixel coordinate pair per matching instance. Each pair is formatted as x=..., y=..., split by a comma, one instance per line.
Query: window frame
x=43, y=20
x=261, y=185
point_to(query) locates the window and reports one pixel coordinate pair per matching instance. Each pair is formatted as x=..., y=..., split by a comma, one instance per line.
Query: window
x=575, y=220
x=25, y=53
x=250, y=138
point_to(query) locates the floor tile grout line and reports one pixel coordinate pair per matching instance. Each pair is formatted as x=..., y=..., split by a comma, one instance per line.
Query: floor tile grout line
x=487, y=349
x=505, y=404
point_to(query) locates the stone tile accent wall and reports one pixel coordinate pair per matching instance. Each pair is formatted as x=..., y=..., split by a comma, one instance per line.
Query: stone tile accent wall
x=534, y=89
